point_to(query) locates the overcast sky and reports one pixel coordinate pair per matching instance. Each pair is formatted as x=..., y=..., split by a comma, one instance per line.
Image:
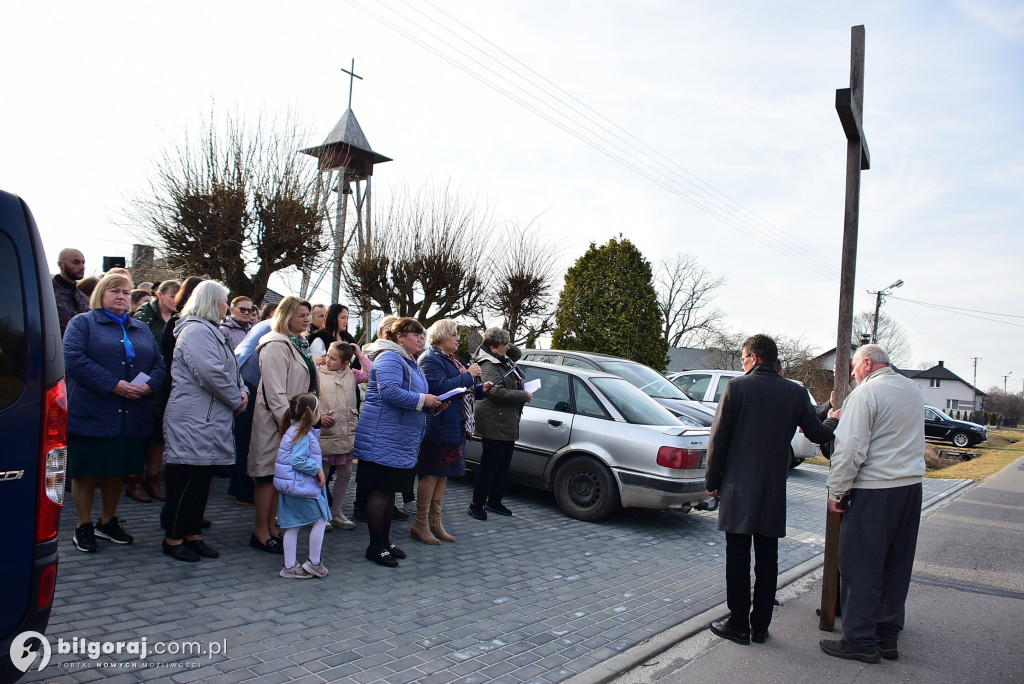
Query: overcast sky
x=727, y=106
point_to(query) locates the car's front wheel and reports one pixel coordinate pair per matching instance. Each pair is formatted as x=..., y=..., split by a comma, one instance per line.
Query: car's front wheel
x=961, y=439
x=585, y=489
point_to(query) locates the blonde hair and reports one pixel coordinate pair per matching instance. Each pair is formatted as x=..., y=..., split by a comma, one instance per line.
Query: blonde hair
x=106, y=282
x=301, y=409
x=286, y=310
x=442, y=330
x=385, y=325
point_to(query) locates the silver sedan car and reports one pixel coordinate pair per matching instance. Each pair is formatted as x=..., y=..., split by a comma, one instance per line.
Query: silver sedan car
x=599, y=443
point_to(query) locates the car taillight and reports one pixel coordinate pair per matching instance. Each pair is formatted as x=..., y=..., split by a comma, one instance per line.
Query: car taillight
x=52, y=461
x=682, y=459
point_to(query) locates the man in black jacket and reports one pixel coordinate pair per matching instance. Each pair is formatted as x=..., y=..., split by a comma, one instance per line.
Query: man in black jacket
x=70, y=300
x=748, y=459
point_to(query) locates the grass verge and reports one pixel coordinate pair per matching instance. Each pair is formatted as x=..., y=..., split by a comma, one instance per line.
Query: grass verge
x=1004, y=446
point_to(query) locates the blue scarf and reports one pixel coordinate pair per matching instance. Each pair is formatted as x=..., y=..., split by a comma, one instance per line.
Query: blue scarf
x=129, y=349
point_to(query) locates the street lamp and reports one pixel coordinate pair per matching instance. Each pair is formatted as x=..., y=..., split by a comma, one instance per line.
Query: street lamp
x=878, y=305
x=1004, y=380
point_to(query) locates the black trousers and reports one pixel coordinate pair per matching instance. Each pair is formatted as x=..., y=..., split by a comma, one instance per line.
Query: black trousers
x=188, y=488
x=495, y=459
x=737, y=580
x=241, y=485
x=877, y=543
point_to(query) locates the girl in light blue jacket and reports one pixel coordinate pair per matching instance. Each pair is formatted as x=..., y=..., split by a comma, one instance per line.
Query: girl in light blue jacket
x=299, y=477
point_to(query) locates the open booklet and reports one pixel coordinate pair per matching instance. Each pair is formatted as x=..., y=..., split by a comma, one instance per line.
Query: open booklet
x=453, y=393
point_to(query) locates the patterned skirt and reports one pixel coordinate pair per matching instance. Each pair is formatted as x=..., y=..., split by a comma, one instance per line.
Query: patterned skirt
x=441, y=460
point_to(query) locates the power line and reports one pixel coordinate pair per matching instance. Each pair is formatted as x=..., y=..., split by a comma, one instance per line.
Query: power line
x=782, y=243
x=958, y=309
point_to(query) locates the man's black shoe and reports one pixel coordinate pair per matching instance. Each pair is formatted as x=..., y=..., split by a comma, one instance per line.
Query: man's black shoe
x=888, y=650
x=497, y=508
x=399, y=514
x=477, y=512
x=758, y=637
x=723, y=629
x=840, y=649
x=180, y=552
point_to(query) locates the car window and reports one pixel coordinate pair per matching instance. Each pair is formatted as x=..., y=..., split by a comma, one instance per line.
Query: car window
x=721, y=387
x=13, y=353
x=554, y=389
x=586, y=403
x=577, y=363
x=541, y=358
x=931, y=415
x=653, y=383
x=634, y=405
x=695, y=386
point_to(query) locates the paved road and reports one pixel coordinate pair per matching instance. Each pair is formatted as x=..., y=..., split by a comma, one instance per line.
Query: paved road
x=534, y=598
x=967, y=592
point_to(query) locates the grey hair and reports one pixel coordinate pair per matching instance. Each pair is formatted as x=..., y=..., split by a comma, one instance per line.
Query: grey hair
x=495, y=337
x=204, y=299
x=443, y=329
x=873, y=352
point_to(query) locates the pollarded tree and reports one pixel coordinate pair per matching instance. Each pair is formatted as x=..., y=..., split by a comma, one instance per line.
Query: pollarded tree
x=609, y=305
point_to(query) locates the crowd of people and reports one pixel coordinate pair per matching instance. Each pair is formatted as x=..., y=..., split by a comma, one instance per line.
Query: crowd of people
x=175, y=382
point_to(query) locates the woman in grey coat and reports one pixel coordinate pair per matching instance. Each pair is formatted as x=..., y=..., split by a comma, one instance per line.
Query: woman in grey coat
x=206, y=393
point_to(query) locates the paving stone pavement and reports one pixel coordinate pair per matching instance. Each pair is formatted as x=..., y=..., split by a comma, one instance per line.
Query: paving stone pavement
x=538, y=597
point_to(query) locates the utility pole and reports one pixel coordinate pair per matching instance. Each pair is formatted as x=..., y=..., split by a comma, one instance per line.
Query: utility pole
x=850, y=107
x=974, y=386
x=1004, y=380
x=878, y=305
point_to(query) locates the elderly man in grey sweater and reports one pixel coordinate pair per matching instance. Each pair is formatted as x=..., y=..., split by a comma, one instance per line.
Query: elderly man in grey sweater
x=875, y=482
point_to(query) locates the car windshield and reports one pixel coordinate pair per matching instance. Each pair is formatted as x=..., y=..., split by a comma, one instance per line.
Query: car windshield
x=633, y=404
x=653, y=383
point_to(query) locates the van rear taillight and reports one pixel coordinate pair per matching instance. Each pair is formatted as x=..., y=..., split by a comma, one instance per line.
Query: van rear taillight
x=52, y=461
x=681, y=459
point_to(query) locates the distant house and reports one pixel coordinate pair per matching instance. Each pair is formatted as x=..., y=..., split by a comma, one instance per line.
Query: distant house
x=690, y=358
x=945, y=389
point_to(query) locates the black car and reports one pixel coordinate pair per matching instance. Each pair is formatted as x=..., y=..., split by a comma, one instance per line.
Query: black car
x=937, y=425
x=653, y=383
x=33, y=423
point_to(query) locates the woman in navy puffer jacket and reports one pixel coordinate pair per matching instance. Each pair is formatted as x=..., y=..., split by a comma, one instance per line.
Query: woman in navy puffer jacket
x=390, y=429
x=442, y=454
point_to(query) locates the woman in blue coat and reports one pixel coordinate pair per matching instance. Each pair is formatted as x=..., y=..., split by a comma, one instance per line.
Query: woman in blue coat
x=113, y=368
x=390, y=429
x=442, y=454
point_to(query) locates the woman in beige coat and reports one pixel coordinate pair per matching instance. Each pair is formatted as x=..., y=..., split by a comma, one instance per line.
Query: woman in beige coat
x=286, y=370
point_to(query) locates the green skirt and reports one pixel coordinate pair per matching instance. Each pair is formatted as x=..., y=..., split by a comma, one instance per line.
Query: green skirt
x=105, y=456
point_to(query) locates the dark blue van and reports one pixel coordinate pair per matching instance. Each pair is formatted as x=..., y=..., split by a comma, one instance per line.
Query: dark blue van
x=33, y=430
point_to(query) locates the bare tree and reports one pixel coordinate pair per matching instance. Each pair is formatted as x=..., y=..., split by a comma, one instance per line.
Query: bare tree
x=233, y=202
x=725, y=350
x=427, y=258
x=1009, y=406
x=891, y=335
x=523, y=282
x=685, y=292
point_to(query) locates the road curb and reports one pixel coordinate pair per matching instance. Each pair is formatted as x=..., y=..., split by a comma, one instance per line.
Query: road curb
x=622, y=663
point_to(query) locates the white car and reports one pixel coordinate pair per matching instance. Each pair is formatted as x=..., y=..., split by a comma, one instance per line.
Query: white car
x=707, y=386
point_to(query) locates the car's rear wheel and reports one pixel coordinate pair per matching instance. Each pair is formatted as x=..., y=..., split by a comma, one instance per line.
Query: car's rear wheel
x=585, y=489
x=793, y=460
x=961, y=439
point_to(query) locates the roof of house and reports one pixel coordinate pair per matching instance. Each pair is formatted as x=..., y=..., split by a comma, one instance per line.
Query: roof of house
x=936, y=372
x=686, y=358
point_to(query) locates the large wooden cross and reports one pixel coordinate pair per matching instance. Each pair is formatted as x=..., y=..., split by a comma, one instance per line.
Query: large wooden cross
x=850, y=106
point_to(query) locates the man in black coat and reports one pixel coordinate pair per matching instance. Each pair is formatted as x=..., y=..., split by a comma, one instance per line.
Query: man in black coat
x=748, y=460
x=70, y=300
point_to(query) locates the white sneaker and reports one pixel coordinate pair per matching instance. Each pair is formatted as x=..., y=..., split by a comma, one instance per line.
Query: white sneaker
x=342, y=523
x=296, y=572
x=319, y=570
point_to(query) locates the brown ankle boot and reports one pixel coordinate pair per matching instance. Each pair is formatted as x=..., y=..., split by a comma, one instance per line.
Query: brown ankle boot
x=153, y=488
x=420, y=527
x=135, y=490
x=435, y=523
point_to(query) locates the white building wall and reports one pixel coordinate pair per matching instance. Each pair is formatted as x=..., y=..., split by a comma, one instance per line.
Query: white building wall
x=947, y=390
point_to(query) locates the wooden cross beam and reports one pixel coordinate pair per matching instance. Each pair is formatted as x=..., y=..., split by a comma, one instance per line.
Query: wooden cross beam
x=850, y=107
x=351, y=76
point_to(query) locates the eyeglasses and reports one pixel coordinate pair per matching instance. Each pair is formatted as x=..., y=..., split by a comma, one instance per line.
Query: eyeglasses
x=245, y=309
